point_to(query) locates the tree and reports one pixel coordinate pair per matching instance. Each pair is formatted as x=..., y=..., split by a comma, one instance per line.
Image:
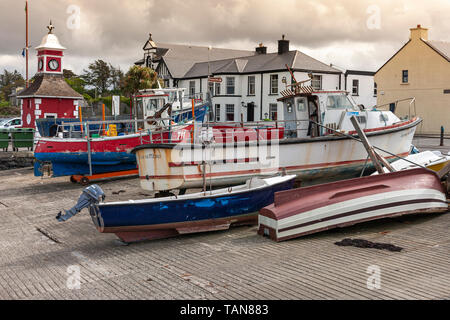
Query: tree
x=139, y=78
x=98, y=75
x=68, y=74
x=8, y=81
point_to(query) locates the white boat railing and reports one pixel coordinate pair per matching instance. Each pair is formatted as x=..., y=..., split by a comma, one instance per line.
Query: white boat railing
x=412, y=104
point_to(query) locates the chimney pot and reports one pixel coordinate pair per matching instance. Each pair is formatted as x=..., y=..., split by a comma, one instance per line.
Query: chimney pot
x=283, y=45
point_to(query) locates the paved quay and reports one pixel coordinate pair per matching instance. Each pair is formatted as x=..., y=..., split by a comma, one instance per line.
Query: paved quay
x=39, y=256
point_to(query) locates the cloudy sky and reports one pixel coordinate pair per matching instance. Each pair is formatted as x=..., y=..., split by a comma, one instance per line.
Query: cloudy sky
x=351, y=34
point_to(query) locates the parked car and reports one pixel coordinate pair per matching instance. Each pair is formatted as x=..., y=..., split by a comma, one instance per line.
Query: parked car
x=11, y=123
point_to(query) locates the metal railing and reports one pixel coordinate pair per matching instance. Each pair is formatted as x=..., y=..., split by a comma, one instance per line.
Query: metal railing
x=412, y=103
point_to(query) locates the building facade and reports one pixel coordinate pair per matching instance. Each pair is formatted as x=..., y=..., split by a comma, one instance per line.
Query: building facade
x=245, y=85
x=48, y=96
x=420, y=70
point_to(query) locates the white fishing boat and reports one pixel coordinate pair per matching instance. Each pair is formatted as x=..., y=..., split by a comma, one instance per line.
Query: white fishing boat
x=319, y=144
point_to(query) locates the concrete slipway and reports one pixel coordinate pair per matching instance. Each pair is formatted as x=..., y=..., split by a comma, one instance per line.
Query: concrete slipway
x=36, y=253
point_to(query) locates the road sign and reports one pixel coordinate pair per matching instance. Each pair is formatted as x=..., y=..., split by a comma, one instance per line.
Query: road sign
x=215, y=79
x=115, y=105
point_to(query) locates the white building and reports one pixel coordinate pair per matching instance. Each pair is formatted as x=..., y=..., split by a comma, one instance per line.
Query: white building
x=251, y=81
x=362, y=87
x=250, y=85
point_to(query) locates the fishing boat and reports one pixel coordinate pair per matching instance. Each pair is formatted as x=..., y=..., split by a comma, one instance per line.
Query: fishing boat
x=95, y=147
x=312, y=209
x=137, y=220
x=318, y=145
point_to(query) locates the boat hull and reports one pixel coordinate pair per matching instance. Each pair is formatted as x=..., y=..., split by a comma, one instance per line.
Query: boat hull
x=169, y=166
x=136, y=221
x=309, y=210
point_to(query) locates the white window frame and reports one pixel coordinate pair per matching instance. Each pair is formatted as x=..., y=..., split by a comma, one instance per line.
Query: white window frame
x=273, y=89
x=229, y=86
x=273, y=107
x=355, y=87
x=217, y=112
x=191, y=88
x=314, y=81
x=227, y=113
x=249, y=92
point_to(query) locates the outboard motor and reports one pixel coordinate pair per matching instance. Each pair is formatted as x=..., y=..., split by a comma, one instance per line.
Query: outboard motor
x=91, y=195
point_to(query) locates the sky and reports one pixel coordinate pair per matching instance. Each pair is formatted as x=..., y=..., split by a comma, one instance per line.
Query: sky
x=350, y=34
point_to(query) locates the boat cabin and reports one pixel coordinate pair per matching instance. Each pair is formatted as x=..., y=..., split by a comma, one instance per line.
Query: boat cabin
x=304, y=110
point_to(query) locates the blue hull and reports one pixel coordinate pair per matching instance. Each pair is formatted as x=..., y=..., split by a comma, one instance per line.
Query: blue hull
x=68, y=164
x=183, y=213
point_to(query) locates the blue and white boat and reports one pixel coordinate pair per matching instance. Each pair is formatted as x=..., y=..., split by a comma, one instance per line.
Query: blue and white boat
x=137, y=220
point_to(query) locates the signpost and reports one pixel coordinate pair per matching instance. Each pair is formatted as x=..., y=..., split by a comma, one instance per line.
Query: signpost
x=115, y=105
x=215, y=79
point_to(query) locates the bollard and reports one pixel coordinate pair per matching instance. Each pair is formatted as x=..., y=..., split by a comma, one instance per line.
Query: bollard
x=442, y=136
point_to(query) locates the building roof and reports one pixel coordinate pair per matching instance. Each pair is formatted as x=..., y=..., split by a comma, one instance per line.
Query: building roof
x=180, y=58
x=360, y=72
x=442, y=47
x=49, y=85
x=296, y=60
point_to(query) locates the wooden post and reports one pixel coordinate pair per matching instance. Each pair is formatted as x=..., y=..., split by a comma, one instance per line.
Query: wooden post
x=81, y=118
x=442, y=136
x=366, y=143
x=103, y=118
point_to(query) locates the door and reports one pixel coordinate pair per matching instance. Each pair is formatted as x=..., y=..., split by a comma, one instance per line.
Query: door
x=302, y=112
x=250, y=112
x=290, y=127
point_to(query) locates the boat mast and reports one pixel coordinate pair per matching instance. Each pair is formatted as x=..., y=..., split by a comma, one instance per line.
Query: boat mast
x=26, y=44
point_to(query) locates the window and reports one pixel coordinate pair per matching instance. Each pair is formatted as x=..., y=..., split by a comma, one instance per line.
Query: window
x=192, y=88
x=375, y=89
x=273, y=111
x=273, y=84
x=217, y=87
x=301, y=105
x=230, y=112
x=230, y=85
x=251, y=86
x=316, y=82
x=217, y=112
x=338, y=102
x=355, y=87
x=405, y=76
x=211, y=88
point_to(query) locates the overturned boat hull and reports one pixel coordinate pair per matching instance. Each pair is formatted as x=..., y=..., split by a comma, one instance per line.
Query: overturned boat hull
x=304, y=211
x=159, y=218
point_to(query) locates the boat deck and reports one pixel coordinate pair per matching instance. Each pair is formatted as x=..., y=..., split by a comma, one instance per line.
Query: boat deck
x=36, y=252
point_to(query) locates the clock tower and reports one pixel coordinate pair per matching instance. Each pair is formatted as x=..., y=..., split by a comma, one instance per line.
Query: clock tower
x=49, y=96
x=50, y=53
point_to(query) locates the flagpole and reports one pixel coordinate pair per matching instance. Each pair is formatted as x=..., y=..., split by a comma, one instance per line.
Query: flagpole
x=26, y=45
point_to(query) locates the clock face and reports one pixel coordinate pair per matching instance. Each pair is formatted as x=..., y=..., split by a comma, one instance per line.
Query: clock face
x=53, y=64
x=40, y=65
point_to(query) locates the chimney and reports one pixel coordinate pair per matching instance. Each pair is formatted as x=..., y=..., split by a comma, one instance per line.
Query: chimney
x=261, y=49
x=419, y=33
x=283, y=45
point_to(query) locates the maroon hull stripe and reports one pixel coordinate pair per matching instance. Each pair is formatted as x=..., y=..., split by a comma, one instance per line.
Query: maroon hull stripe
x=355, y=212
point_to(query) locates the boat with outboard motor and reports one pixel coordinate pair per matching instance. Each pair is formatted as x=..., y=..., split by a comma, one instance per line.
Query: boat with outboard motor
x=137, y=220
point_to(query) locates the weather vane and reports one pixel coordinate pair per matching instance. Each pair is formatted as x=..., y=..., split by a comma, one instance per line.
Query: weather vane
x=50, y=27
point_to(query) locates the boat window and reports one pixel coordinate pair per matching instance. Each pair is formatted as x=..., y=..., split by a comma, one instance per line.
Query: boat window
x=338, y=102
x=361, y=119
x=301, y=105
x=154, y=104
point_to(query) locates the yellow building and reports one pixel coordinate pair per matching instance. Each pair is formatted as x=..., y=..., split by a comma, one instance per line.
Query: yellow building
x=420, y=70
